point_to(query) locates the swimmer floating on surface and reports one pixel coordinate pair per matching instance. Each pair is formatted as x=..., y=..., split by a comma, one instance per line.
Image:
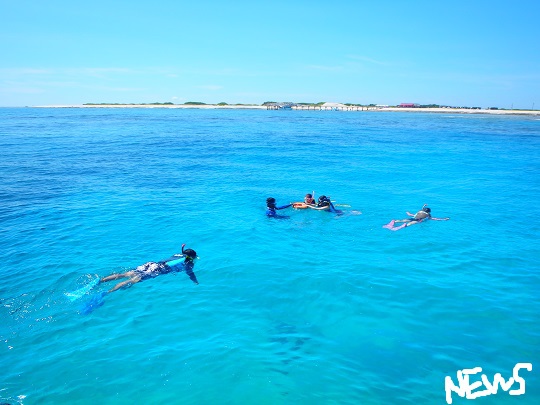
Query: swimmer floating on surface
x=423, y=215
x=154, y=269
x=178, y=262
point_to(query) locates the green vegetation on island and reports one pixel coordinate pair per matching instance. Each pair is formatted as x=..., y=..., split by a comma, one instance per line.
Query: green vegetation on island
x=321, y=104
x=167, y=103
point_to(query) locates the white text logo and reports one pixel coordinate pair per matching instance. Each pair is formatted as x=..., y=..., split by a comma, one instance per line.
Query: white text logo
x=465, y=388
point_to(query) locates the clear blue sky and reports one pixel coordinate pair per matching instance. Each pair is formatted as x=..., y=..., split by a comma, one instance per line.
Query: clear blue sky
x=463, y=53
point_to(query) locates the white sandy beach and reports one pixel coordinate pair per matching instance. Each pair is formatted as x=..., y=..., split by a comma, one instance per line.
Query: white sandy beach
x=262, y=107
x=172, y=106
x=460, y=111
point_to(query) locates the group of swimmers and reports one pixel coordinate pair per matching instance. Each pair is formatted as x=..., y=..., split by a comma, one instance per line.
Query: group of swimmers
x=323, y=203
x=185, y=261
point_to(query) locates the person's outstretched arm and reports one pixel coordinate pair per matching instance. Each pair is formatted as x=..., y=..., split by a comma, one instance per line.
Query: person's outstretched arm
x=314, y=207
x=190, y=273
x=440, y=219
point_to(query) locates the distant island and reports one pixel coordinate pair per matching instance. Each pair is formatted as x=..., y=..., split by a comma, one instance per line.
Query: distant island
x=319, y=106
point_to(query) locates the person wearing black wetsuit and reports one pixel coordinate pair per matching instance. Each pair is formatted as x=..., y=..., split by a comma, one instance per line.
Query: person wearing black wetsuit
x=178, y=262
x=324, y=203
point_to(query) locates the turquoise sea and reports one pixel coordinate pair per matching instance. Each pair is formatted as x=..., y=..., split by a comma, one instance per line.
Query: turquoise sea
x=314, y=309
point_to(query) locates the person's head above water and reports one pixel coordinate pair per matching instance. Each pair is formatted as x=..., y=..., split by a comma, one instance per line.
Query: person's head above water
x=308, y=199
x=270, y=202
x=190, y=254
x=323, y=198
x=426, y=209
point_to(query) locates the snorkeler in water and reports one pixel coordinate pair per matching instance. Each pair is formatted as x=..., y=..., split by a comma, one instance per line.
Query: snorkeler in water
x=324, y=204
x=309, y=200
x=178, y=262
x=271, y=208
x=423, y=215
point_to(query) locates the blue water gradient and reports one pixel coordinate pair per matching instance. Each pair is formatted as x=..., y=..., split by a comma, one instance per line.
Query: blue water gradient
x=315, y=309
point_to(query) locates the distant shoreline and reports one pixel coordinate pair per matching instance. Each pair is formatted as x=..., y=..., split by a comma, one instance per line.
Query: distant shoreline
x=460, y=111
x=263, y=107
